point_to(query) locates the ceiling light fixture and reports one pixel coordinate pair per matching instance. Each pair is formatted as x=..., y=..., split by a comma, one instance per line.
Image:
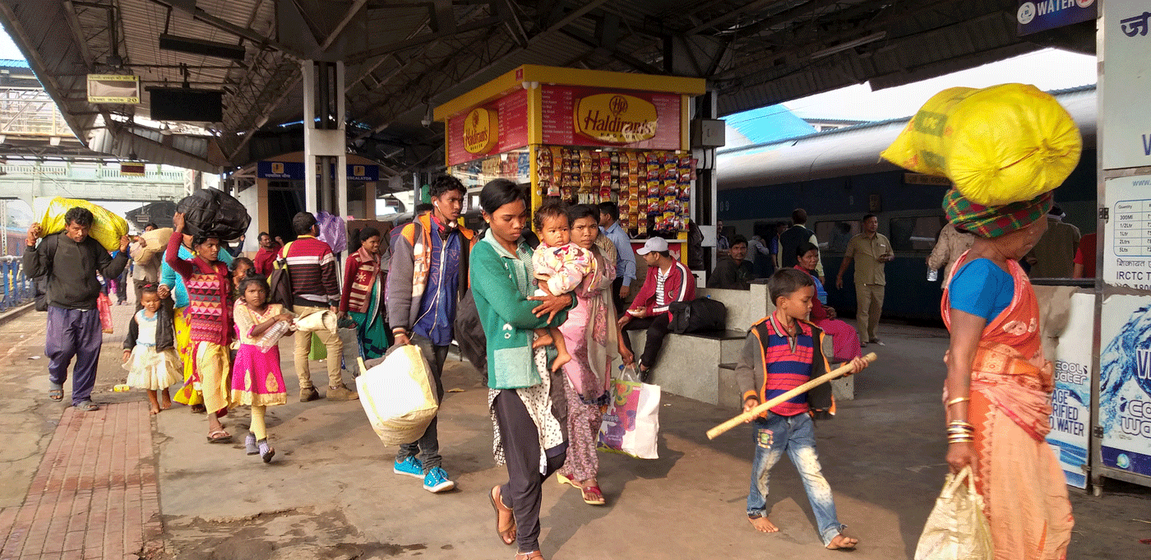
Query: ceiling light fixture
x=849, y=45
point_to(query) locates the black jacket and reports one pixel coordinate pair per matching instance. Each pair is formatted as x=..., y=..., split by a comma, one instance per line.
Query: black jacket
x=165, y=331
x=71, y=269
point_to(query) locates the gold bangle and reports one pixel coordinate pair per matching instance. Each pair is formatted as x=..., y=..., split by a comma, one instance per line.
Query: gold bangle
x=960, y=424
x=958, y=400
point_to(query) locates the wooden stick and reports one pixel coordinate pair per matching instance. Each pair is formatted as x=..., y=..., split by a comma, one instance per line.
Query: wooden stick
x=747, y=416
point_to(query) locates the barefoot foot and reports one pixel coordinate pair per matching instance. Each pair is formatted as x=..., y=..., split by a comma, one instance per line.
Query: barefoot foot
x=561, y=359
x=155, y=410
x=842, y=542
x=542, y=340
x=763, y=525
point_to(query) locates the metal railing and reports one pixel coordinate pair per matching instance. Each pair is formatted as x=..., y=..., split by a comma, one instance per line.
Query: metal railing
x=30, y=112
x=17, y=288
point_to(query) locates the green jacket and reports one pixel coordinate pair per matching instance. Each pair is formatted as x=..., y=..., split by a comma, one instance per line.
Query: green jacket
x=502, y=282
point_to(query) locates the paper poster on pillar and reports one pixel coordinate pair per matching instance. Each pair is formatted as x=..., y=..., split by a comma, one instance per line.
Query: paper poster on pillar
x=1071, y=400
x=1124, y=122
x=1125, y=383
x=1127, y=234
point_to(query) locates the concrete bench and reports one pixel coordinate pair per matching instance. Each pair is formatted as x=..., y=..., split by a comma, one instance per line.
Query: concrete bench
x=701, y=366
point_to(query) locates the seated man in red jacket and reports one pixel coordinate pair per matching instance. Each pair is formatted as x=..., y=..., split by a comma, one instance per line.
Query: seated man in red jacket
x=667, y=282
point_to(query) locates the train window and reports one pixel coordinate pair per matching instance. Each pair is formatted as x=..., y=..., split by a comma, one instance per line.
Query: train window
x=834, y=235
x=915, y=234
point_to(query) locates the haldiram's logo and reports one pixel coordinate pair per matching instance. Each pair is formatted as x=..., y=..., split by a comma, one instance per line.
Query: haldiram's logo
x=615, y=118
x=480, y=131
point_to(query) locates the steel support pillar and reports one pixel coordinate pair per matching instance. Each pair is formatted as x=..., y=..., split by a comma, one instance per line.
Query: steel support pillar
x=324, y=137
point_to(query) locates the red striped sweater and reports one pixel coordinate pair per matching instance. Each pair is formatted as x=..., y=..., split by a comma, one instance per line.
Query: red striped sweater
x=312, y=267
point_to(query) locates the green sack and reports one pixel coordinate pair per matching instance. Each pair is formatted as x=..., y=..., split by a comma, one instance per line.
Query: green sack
x=318, y=351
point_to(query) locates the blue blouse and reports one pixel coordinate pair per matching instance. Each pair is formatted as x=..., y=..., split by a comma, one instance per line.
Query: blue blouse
x=982, y=289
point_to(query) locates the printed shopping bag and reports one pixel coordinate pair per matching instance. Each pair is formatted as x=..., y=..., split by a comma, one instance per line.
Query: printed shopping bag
x=104, y=305
x=399, y=395
x=631, y=423
x=956, y=528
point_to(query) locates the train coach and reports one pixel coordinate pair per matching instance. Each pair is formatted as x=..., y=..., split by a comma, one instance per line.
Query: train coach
x=837, y=177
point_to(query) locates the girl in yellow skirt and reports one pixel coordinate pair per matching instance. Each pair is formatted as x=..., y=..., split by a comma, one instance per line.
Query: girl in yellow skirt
x=209, y=314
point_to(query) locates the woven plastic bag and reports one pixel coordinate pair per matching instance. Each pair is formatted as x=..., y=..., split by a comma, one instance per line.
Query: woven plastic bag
x=157, y=242
x=399, y=395
x=956, y=528
x=1002, y=144
x=107, y=228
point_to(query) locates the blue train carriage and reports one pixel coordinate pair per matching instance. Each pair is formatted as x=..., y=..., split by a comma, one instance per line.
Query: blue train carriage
x=837, y=177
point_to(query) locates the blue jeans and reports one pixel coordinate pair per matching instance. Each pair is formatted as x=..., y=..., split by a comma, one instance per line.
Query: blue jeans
x=796, y=436
x=428, y=446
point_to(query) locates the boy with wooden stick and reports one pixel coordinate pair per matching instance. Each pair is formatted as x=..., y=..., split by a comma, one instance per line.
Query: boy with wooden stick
x=782, y=352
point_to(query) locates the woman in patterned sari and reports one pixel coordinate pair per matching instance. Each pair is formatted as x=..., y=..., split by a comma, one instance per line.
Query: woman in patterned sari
x=593, y=339
x=998, y=391
x=362, y=300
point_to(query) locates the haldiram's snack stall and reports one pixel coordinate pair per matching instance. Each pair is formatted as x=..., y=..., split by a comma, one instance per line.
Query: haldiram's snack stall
x=585, y=137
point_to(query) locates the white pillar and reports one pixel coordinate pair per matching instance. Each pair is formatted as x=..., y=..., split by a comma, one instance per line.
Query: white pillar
x=323, y=145
x=308, y=68
x=342, y=157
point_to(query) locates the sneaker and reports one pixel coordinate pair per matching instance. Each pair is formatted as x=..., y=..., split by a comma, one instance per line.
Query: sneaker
x=250, y=445
x=877, y=341
x=342, y=393
x=409, y=466
x=266, y=452
x=436, y=481
x=309, y=394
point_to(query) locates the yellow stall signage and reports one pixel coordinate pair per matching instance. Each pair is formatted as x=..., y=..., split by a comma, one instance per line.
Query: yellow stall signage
x=481, y=131
x=615, y=118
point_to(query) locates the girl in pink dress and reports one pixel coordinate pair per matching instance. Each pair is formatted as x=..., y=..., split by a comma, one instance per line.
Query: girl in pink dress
x=256, y=377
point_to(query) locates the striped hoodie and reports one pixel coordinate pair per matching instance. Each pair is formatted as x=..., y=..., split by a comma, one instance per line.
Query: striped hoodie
x=312, y=267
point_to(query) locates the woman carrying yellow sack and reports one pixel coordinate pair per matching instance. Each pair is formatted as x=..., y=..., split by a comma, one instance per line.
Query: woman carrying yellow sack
x=998, y=390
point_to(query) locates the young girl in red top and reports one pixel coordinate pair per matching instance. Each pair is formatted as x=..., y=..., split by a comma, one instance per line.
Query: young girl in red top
x=209, y=314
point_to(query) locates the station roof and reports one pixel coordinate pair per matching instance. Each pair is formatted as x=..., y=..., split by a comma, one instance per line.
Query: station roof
x=403, y=58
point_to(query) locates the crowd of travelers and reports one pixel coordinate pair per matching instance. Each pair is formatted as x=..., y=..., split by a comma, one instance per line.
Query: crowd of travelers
x=554, y=320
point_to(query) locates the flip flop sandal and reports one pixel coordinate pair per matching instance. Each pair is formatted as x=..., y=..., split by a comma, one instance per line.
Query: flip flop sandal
x=88, y=406
x=593, y=496
x=219, y=436
x=56, y=394
x=508, y=536
x=565, y=480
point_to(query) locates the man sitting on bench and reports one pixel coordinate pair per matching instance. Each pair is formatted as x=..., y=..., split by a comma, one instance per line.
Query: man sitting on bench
x=667, y=282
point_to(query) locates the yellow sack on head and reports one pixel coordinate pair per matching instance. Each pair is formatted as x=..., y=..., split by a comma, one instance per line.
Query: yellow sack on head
x=999, y=145
x=107, y=228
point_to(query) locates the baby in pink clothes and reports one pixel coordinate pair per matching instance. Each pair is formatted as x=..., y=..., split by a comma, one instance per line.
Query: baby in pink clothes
x=559, y=267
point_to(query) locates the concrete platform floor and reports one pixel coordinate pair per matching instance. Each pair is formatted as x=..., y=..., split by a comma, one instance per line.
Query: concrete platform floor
x=330, y=492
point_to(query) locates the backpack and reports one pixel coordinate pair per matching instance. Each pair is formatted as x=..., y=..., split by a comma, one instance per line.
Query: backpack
x=699, y=315
x=279, y=282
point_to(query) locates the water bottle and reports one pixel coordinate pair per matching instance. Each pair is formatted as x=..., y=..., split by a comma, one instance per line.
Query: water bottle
x=932, y=275
x=122, y=388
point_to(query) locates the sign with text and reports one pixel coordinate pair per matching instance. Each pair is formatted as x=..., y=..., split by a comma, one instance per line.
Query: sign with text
x=583, y=116
x=1071, y=400
x=1125, y=124
x=1040, y=15
x=1127, y=251
x=294, y=171
x=1125, y=383
x=498, y=127
x=113, y=88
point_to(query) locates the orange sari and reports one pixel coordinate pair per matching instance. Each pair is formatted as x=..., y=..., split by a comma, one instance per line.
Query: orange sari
x=1018, y=475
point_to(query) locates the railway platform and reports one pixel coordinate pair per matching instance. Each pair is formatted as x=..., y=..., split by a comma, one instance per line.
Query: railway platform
x=122, y=484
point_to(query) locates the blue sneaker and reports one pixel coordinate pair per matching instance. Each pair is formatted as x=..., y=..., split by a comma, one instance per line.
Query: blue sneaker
x=437, y=481
x=410, y=466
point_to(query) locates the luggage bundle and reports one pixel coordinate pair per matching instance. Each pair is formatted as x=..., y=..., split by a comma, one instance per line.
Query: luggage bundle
x=1001, y=144
x=399, y=395
x=107, y=228
x=214, y=213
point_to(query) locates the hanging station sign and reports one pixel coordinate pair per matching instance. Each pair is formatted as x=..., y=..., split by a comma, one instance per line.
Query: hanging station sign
x=1040, y=15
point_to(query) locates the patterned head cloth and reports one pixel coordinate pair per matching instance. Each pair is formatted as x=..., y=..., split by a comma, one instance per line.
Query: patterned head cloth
x=994, y=221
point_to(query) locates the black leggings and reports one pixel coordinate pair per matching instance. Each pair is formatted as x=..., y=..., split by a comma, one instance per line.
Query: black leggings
x=657, y=328
x=524, y=490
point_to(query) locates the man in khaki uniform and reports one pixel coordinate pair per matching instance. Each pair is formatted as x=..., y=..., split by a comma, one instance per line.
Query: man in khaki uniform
x=871, y=250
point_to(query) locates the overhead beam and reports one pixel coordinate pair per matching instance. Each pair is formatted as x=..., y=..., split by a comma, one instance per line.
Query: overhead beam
x=223, y=25
x=353, y=10
x=421, y=39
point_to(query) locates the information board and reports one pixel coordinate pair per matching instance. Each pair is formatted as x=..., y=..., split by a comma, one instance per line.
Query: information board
x=1127, y=249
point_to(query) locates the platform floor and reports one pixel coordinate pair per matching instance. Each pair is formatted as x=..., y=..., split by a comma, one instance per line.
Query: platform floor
x=75, y=485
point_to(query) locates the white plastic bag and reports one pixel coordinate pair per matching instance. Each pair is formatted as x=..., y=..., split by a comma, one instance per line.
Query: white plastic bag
x=631, y=423
x=956, y=528
x=399, y=395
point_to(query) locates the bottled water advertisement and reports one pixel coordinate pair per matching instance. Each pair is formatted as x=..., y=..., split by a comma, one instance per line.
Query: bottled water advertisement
x=1125, y=383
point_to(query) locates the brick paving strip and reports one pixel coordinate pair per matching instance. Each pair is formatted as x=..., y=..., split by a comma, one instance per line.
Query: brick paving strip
x=94, y=495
